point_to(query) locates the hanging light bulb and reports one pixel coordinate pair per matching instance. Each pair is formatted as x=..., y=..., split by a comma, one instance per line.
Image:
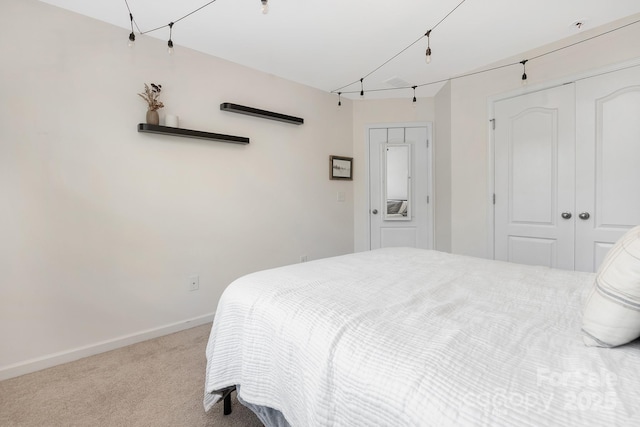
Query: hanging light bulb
x=339, y=100
x=265, y=6
x=414, y=95
x=361, y=88
x=428, y=53
x=132, y=36
x=524, y=71
x=170, y=42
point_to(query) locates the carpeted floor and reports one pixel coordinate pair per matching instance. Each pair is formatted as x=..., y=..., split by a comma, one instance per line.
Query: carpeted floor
x=155, y=383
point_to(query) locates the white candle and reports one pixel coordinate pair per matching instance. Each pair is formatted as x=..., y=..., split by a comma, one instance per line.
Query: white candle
x=171, y=120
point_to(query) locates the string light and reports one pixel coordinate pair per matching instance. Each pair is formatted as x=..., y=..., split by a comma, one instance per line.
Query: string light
x=473, y=73
x=132, y=36
x=170, y=25
x=265, y=6
x=339, y=99
x=428, y=53
x=170, y=42
x=524, y=79
x=414, y=94
x=428, y=57
x=524, y=71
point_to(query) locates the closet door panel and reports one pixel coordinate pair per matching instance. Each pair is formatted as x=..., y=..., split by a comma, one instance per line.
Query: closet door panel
x=533, y=166
x=618, y=154
x=607, y=156
x=534, y=145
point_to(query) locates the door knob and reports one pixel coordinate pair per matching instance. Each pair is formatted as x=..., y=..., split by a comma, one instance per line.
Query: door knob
x=375, y=211
x=584, y=215
x=566, y=215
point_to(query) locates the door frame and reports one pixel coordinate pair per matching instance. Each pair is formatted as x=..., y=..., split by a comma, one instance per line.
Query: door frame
x=430, y=208
x=525, y=90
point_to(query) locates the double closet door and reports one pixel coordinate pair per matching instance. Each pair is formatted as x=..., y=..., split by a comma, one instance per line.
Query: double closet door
x=567, y=171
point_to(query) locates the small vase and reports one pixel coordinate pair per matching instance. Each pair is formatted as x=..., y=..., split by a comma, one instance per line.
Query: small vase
x=152, y=117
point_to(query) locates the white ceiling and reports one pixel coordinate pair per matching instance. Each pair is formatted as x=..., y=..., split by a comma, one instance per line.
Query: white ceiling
x=330, y=43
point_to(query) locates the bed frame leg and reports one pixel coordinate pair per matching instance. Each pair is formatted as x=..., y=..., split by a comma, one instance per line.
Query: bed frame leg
x=227, y=404
x=227, y=401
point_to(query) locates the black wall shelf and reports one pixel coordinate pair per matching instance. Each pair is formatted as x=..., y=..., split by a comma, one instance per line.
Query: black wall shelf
x=250, y=111
x=188, y=133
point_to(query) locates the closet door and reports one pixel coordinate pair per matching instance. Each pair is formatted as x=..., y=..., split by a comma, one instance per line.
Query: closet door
x=607, y=163
x=534, y=143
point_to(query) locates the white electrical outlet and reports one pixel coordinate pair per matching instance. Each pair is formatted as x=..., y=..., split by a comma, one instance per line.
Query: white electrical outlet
x=194, y=283
x=303, y=258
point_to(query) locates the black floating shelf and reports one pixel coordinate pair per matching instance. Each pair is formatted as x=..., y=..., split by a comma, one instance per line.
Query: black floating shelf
x=188, y=133
x=249, y=111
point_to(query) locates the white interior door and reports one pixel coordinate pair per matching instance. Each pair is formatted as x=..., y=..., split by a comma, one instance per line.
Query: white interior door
x=607, y=155
x=534, y=145
x=399, y=171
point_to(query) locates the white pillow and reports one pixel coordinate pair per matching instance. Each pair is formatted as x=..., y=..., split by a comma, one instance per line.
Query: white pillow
x=611, y=313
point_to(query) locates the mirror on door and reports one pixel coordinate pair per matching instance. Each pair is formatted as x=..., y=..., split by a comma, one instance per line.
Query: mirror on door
x=397, y=189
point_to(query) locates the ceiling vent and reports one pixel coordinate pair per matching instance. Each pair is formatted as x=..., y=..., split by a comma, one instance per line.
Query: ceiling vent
x=397, y=82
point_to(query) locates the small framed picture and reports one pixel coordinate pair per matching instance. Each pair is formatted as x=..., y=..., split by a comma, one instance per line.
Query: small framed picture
x=341, y=167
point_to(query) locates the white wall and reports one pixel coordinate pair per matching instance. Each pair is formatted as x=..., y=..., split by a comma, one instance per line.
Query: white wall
x=470, y=140
x=367, y=112
x=442, y=169
x=101, y=225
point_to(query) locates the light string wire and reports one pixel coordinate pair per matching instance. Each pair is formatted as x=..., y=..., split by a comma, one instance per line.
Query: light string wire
x=501, y=66
x=401, y=52
x=587, y=39
x=172, y=22
x=131, y=16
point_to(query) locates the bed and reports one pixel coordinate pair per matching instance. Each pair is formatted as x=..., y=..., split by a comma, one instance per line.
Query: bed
x=413, y=337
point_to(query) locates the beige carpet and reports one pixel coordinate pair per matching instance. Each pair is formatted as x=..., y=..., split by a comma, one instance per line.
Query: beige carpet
x=155, y=383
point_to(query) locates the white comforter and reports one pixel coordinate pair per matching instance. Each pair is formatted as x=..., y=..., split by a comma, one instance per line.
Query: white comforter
x=409, y=337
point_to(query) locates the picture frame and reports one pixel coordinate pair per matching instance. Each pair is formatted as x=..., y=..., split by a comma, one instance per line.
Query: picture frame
x=341, y=168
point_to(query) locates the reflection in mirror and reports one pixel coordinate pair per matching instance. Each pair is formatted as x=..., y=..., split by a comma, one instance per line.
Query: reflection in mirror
x=398, y=182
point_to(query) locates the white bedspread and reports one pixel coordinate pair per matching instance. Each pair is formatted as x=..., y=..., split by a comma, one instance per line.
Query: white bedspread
x=409, y=337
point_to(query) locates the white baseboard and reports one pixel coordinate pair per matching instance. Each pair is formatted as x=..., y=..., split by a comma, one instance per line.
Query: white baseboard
x=33, y=365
